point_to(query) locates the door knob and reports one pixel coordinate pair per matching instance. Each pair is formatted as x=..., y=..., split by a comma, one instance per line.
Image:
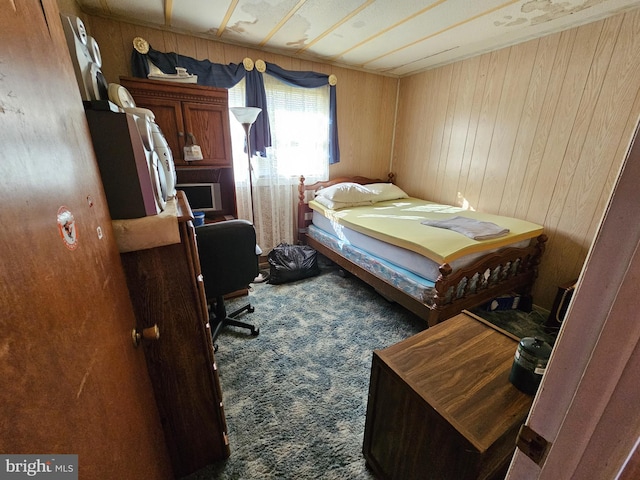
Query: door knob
x=149, y=333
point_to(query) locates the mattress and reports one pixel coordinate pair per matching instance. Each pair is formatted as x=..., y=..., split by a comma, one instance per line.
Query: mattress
x=400, y=223
x=408, y=282
x=395, y=256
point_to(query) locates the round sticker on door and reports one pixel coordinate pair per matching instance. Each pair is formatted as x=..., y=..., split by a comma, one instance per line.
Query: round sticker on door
x=67, y=228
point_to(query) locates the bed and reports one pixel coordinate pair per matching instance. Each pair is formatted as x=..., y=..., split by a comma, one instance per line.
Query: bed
x=397, y=244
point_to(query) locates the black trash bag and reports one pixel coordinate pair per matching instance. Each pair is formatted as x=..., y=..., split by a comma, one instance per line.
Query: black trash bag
x=288, y=263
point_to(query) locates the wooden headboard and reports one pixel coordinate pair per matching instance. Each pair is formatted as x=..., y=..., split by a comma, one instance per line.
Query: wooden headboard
x=307, y=192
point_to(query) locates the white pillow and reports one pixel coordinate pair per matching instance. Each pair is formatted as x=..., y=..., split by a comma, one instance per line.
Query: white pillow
x=386, y=191
x=338, y=205
x=347, y=192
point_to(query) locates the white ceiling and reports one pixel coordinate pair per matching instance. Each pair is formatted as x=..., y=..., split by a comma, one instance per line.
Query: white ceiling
x=390, y=37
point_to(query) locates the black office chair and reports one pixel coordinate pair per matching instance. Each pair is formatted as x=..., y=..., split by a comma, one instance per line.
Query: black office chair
x=229, y=263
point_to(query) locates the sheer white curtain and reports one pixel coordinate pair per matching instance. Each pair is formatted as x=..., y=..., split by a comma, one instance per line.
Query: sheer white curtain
x=299, y=119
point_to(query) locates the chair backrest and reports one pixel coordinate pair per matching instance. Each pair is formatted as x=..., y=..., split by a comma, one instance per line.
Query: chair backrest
x=228, y=259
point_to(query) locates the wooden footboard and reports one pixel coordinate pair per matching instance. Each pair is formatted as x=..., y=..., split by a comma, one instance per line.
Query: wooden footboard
x=511, y=270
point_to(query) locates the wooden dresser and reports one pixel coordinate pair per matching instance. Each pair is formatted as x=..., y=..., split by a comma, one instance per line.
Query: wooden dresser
x=166, y=290
x=441, y=405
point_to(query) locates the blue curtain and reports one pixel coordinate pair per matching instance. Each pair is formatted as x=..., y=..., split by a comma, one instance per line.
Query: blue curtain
x=226, y=76
x=255, y=96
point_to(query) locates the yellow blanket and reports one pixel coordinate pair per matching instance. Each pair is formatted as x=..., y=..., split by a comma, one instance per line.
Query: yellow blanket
x=398, y=222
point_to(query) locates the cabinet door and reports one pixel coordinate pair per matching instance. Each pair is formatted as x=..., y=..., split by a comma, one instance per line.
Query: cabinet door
x=169, y=118
x=209, y=123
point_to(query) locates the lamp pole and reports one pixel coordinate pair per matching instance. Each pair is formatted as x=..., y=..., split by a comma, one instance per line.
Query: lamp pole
x=247, y=116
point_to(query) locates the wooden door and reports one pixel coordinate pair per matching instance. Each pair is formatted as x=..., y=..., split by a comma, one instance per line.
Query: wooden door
x=168, y=116
x=71, y=381
x=209, y=123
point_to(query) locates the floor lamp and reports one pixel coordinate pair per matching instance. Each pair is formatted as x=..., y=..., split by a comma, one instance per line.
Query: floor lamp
x=247, y=116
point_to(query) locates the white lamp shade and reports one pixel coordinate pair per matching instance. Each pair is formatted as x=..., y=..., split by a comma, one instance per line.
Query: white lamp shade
x=246, y=114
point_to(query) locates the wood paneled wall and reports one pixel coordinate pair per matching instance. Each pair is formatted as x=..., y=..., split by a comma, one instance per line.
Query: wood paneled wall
x=536, y=131
x=366, y=102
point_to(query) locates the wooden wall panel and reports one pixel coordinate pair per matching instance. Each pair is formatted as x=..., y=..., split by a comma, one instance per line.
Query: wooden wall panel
x=558, y=66
x=510, y=109
x=472, y=129
x=605, y=134
x=465, y=78
x=520, y=175
x=416, y=115
x=538, y=133
x=613, y=174
x=487, y=125
x=440, y=126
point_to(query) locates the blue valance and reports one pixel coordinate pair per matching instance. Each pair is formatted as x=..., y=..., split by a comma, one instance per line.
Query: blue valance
x=226, y=76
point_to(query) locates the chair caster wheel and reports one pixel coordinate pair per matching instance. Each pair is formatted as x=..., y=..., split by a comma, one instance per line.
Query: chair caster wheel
x=255, y=332
x=215, y=347
x=251, y=309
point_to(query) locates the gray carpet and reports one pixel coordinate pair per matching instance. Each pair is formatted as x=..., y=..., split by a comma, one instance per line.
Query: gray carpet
x=296, y=395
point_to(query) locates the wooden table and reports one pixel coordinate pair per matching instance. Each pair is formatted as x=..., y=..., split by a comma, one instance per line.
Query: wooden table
x=441, y=405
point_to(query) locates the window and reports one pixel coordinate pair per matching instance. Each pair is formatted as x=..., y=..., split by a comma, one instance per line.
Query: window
x=299, y=120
